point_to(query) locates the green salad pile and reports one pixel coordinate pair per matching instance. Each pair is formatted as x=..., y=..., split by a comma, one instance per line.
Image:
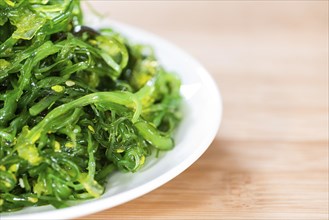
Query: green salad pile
x=76, y=104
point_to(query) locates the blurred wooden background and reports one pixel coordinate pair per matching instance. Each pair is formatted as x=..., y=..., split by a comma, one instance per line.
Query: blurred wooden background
x=270, y=60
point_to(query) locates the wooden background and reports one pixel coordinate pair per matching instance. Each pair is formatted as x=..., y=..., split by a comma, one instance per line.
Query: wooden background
x=270, y=157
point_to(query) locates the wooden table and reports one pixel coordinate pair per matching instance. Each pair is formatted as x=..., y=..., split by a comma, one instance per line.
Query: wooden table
x=270, y=157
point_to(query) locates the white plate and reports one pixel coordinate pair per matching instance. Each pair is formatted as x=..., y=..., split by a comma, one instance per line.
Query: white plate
x=202, y=116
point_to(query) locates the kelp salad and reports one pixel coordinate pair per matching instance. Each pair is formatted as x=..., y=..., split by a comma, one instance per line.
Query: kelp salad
x=76, y=104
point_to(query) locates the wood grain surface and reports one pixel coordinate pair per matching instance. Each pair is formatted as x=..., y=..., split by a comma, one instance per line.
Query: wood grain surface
x=270, y=61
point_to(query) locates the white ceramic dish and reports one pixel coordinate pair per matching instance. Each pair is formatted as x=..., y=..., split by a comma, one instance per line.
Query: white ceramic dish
x=202, y=116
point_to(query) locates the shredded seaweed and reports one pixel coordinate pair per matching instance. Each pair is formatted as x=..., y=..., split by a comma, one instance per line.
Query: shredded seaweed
x=76, y=104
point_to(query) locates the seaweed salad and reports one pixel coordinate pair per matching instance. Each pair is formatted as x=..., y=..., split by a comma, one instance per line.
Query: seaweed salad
x=76, y=104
